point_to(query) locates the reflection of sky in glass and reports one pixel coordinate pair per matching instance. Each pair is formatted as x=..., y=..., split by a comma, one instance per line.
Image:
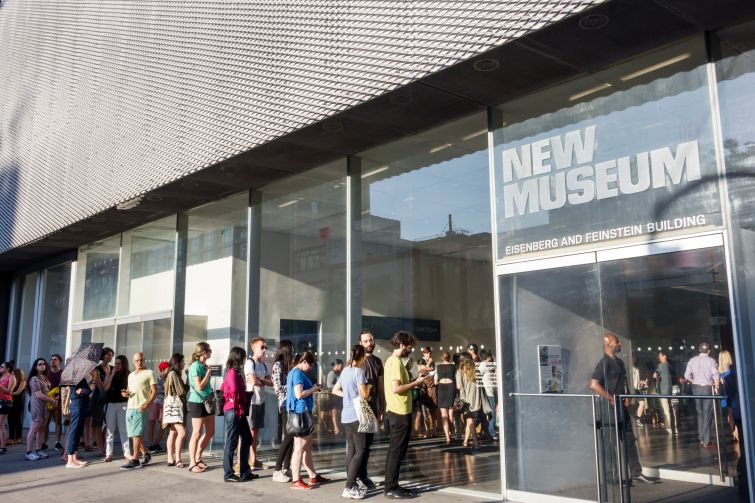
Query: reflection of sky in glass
x=737, y=101
x=662, y=113
x=423, y=198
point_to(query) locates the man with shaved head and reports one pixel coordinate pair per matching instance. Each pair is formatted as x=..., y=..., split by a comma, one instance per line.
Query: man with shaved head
x=608, y=379
x=141, y=392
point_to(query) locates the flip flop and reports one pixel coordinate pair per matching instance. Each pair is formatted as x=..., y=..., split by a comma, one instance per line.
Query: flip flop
x=191, y=469
x=202, y=465
x=179, y=464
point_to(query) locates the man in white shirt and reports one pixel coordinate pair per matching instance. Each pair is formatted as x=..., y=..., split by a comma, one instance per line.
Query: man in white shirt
x=257, y=377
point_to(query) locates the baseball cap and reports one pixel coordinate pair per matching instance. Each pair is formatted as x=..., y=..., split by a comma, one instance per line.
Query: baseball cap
x=163, y=366
x=472, y=347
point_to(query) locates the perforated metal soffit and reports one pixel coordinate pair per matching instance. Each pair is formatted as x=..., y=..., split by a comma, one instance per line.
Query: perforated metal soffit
x=105, y=100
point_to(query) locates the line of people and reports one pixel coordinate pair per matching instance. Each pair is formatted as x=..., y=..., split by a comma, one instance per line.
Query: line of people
x=140, y=405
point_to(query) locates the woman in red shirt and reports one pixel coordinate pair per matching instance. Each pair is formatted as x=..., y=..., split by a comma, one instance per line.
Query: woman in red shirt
x=236, y=425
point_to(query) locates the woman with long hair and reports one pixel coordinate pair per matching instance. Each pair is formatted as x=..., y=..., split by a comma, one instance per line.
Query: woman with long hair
x=7, y=383
x=16, y=418
x=234, y=413
x=174, y=386
x=300, y=400
x=283, y=362
x=115, y=407
x=445, y=381
x=352, y=383
x=79, y=395
x=39, y=387
x=202, y=421
x=472, y=400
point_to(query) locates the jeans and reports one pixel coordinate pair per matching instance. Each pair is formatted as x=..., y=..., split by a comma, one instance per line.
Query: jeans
x=286, y=448
x=236, y=427
x=115, y=416
x=704, y=413
x=79, y=407
x=400, y=431
x=632, y=459
x=492, y=417
x=357, y=453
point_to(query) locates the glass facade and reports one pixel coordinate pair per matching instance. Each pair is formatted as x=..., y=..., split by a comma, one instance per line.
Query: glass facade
x=614, y=202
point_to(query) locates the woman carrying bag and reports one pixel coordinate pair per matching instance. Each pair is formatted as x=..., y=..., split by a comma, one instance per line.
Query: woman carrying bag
x=299, y=404
x=235, y=405
x=202, y=406
x=352, y=386
x=174, y=410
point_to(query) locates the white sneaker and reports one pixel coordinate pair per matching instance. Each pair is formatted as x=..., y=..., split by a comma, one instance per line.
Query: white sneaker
x=31, y=456
x=280, y=476
x=41, y=454
x=353, y=493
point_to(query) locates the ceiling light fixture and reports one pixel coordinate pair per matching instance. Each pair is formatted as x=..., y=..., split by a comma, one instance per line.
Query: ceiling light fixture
x=657, y=66
x=593, y=22
x=374, y=171
x=289, y=203
x=440, y=147
x=486, y=65
x=475, y=134
x=588, y=92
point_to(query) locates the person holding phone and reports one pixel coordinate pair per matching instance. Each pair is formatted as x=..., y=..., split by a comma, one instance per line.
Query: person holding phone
x=300, y=400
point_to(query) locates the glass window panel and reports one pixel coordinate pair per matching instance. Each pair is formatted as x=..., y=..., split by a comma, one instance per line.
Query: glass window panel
x=97, y=280
x=215, y=300
x=156, y=342
x=303, y=270
x=736, y=81
x=25, y=324
x=622, y=154
x=147, y=268
x=427, y=263
x=54, y=322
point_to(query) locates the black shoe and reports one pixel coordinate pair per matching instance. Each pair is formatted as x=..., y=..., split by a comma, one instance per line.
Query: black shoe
x=131, y=465
x=647, y=480
x=246, y=477
x=147, y=459
x=232, y=478
x=399, y=493
x=44, y=447
x=3, y=451
x=368, y=483
x=58, y=446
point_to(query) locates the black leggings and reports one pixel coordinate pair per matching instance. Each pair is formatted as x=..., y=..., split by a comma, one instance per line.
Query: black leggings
x=286, y=447
x=16, y=418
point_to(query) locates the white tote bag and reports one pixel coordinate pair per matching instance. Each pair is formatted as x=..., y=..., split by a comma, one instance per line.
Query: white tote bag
x=367, y=421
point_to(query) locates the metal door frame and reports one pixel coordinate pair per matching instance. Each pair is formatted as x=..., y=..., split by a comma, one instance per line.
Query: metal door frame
x=672, y=244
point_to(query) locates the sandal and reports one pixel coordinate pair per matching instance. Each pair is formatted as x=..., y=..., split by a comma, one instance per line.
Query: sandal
x=198, y=469
x=179, y=464
x=202, y=465
x=171, y=463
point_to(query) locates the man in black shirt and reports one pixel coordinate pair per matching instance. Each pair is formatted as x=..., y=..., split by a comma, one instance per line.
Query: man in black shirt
x=373, y=371
x=608, y=379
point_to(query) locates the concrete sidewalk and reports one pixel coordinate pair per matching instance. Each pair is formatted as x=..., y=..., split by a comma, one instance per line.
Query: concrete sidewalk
x=49, y=480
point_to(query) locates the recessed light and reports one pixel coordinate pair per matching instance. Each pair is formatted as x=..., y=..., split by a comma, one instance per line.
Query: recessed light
x=153, y=198
x=593, y=22
x=486, y=65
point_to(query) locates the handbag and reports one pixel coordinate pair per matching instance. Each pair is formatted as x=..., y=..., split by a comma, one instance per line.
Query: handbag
x=300, y=424
x=367, y=421
x=219, y=402
x=461, y=406
x=173, y=407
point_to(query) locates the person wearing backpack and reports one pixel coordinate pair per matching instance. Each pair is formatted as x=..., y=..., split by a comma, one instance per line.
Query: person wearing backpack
x=257, y=378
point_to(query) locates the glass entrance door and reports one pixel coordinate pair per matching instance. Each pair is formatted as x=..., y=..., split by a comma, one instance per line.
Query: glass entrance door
x=662, y=301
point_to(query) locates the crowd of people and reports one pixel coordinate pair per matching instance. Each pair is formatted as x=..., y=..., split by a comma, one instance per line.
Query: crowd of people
x=363, y=395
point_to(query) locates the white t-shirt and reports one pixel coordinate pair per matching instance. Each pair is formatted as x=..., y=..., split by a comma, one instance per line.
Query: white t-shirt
x=260, y=370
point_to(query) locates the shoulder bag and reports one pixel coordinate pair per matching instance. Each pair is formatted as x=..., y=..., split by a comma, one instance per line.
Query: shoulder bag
x=210, y=403
x=173, y=408
x=368, y=423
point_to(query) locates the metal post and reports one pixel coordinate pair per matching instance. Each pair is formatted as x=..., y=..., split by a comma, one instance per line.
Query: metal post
x=716, y=404
x=597, y=456
x=618, y=447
